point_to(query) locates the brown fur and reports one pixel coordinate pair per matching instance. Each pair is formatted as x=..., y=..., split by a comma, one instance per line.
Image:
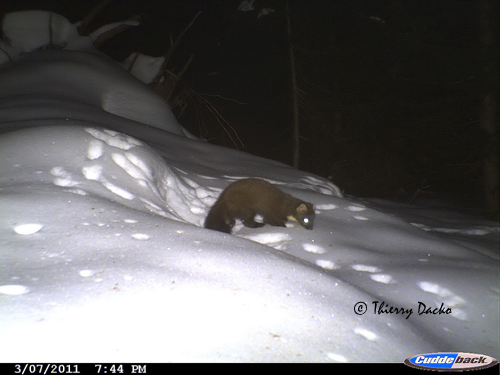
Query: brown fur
x=246, y=198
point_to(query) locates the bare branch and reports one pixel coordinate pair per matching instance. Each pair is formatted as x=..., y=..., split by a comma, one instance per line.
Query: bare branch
x=177, y=41
x=132, y=63
x=177, y=77
x=173, y=46
x=4, y=51
x=113, y=32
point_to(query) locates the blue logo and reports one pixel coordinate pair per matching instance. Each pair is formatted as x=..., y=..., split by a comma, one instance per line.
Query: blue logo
x=456, y=361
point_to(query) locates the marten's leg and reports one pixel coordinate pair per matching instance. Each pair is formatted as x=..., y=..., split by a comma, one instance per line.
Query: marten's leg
x=252, y=224
x=248, y=219
x=275, y=221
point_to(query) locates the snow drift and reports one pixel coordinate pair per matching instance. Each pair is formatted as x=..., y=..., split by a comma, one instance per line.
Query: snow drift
x=103, y=257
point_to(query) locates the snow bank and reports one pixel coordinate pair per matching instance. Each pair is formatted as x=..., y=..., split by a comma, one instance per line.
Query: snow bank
x=103, y=257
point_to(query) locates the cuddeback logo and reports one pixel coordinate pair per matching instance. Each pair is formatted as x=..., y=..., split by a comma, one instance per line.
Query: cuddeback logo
x=451, y=361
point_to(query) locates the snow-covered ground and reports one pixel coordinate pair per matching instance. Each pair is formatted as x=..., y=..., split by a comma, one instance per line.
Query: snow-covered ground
x=103, y=257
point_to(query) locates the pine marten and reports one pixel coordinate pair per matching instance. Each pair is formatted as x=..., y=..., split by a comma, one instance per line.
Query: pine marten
x=244, y=199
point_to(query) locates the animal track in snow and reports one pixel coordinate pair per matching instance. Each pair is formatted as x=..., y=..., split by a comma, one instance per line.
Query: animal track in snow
x=131, y=170
x=114, y=139
x=134, y=166
x=475, y=231
x=95, y=149
x=14, y=290
x=382, y=278
x=86, y=273
x=140, y=236
x=369, y=335
x=365, y=268
x=153, y=184
x=447, y=297
x=355, y=208
x=359, y=217
x=322, y=186
x=62, y=177
x=336, y=357
x=311, y=248
x=277, y=241
x=327, y=206
x=375, y=275
x=326, y=264
x=26, y=229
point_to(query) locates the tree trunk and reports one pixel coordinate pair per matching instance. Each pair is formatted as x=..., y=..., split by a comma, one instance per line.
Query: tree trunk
x=295, y=93
x=489, y=109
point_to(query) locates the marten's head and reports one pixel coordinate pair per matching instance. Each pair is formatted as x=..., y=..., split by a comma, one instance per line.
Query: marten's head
x=304, y=215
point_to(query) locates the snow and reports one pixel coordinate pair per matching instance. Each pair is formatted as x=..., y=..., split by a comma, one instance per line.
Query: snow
x=30, y=30
x=103, y=257
x=144, y=68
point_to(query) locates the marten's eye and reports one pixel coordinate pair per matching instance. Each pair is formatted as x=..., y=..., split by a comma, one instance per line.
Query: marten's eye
x=305, y=220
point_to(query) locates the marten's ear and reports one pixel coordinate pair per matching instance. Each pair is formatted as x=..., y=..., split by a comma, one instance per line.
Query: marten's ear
x=302, y=208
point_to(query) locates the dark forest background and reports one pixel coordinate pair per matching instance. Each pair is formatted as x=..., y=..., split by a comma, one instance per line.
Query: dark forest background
x=398, y=98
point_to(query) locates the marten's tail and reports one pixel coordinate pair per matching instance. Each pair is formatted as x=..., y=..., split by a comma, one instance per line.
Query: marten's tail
x=218, y=219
